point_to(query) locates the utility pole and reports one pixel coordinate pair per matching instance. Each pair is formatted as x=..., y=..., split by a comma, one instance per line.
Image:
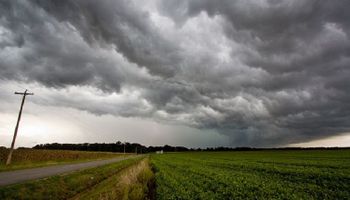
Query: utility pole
x=124, y=148
x=25, y=93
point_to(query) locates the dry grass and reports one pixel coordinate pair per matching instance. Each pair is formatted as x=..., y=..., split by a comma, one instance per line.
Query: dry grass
x=132, y=175
x=26, y=158
x=133, y=183
x=65, y=186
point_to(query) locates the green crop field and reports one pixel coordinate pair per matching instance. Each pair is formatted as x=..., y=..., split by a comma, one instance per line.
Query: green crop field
x=283, y=174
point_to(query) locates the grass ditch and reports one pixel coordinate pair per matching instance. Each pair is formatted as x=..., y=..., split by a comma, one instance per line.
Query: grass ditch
x=66, y=186
x=135, y=182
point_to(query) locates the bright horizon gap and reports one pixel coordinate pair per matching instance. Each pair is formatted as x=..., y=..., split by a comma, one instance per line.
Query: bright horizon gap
x=36, y=129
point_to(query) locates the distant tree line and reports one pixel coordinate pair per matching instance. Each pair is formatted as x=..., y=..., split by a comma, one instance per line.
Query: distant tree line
x=111, y=147
x=138, y=148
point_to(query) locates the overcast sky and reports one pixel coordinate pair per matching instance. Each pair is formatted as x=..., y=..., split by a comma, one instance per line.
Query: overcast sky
x=262, y=73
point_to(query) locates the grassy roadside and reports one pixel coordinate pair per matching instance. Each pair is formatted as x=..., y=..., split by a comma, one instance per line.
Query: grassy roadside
x=31, y=158
x=135, y=182
x=67, y=185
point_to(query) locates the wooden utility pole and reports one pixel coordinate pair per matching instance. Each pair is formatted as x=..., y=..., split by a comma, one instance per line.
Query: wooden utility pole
x=25, y=93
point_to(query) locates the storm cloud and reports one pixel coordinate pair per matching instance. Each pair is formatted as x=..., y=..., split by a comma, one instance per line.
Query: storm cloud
x=262, y=73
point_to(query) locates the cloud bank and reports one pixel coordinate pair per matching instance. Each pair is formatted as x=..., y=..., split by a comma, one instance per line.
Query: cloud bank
x=262, y=73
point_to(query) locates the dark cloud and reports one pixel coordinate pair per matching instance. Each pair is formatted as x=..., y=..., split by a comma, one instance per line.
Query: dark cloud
x=261, y=72
x=119, y=23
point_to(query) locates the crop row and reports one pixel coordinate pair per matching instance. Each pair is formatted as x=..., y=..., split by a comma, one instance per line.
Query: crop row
x=258, y=175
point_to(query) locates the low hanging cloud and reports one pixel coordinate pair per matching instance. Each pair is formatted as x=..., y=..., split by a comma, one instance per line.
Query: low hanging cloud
x=263, y=73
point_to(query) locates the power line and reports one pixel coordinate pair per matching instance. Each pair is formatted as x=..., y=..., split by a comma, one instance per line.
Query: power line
x=24, y=94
